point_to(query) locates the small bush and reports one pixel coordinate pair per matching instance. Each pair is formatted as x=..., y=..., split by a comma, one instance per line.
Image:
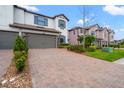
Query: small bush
x=91, y=49
x=20, y=64
x=23, y=58
x=70, y=47
x=20, y=52
x=17, y=54
x=76, y=48
x=63, y=45
x=24, y=53
x=121, y=46
x=20, y=44
x=111, y=45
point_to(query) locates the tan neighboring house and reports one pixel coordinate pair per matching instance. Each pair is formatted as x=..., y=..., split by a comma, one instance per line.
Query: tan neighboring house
x=104, y=36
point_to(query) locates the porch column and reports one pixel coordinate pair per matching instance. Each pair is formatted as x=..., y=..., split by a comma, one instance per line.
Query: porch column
x=101, y=43
x=20, y=33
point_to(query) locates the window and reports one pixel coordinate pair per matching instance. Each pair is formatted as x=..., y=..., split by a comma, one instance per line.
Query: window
x=93, y=33
x=81, y=31
x=61, y=24
x=40, y=21
x=105, y=35
x=74, y=32
x=112, y=36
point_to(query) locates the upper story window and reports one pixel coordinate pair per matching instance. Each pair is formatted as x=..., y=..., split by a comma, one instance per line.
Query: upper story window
x=81, y=30
x=40, y=21
x=112, y=36
x=93, y=33
x=105, y=34
x=62, y=24
x=74, y=32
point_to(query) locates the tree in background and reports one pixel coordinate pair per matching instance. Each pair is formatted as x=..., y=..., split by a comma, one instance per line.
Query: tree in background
x=89, y=39
x=87, y=20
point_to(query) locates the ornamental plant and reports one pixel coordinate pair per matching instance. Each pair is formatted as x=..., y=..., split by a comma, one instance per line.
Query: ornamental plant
x=20, y=53
x=20, y=44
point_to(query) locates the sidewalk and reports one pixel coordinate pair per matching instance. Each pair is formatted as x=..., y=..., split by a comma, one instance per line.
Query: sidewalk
x=120, y=61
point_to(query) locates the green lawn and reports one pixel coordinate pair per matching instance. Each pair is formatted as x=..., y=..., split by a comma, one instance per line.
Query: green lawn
x=117, y=54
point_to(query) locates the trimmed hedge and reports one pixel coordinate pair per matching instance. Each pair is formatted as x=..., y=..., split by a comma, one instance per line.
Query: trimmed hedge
x=63, y=45
x=76, y=48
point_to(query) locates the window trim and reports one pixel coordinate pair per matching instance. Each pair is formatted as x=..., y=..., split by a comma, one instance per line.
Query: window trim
x=93, y=32
x=64, y=24
x=41, y=21
x=81, y=30
x=74, y=32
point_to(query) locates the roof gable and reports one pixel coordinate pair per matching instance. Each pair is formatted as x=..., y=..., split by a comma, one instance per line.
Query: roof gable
x=61, y=15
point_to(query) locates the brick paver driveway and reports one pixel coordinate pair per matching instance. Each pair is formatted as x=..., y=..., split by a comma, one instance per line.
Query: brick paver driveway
x=61, y=68
x=5, y=60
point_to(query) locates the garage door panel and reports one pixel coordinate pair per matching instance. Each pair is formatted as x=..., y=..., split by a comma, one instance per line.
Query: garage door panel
x=41, y=41
x=7, y=39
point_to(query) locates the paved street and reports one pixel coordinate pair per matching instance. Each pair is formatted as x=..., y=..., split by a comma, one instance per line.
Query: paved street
x=120, y=61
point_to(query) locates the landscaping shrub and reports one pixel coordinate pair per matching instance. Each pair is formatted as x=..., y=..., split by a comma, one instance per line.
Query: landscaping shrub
x=20, y=53
x=23, y=58
x=17, y=54
x=24, y=53
x=121, y=46
x=26, y=47
x=91, y=49
x=20, y=44
x=20, y=64
x=76, y=48
x=63, y=45
x=70, y=47
x=111, y=45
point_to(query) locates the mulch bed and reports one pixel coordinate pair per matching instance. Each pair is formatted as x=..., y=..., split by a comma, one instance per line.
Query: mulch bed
x=14, y=79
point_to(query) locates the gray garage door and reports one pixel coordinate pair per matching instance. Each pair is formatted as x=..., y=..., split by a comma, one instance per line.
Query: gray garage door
x=41, y=41
x=7, y=39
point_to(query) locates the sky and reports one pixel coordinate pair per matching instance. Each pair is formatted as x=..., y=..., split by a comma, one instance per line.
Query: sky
x=104, y=15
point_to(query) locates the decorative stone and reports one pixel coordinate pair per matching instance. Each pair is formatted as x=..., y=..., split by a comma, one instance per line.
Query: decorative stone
x=12, y=79
x=4, y=81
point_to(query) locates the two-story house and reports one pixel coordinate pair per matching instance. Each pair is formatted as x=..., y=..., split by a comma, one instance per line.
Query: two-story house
x=104, y=36
x=40, y=31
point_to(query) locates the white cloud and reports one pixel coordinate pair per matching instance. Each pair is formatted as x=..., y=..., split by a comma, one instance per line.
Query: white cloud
x=106, y=25
x=114, y=10
x=92, y=15
x=119, y=33
x=80, y=22
x=121, y=29
x=31, y=8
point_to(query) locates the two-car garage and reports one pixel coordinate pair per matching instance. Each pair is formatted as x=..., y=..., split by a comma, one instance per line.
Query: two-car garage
x=36, y=37
x=41, y=41
x=7, y=39
x=34, y=40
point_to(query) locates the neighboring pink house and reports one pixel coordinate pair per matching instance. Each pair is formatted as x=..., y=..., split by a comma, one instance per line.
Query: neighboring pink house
x=104, y=36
